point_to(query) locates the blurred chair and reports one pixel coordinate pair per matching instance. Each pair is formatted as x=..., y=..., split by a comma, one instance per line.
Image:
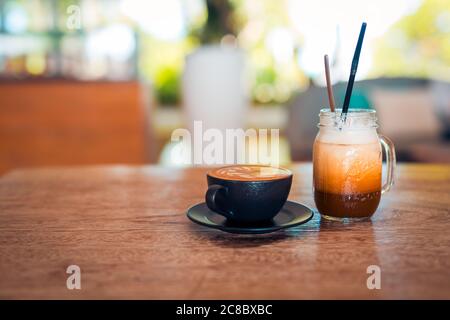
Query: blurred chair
x=47, y=123
x=414, y=113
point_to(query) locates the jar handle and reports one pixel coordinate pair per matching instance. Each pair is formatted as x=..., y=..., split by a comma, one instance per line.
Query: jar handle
x=391, y=162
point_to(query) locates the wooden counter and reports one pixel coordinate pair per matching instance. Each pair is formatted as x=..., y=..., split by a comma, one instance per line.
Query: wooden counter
x=126, y=228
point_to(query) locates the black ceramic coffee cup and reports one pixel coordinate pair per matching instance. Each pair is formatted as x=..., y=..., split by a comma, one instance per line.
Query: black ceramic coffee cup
x=247, y=201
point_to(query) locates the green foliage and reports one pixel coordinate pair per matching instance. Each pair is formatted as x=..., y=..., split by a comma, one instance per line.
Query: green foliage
x=162, y=63
x=219, y=22
x=266, y=75
x=167, y=85
x=418, y=45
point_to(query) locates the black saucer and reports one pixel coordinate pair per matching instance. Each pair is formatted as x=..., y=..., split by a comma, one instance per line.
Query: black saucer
x=292, y=214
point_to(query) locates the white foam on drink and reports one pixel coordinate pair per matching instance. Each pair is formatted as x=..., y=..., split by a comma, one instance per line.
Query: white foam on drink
x=347, y=136
x=250, y=172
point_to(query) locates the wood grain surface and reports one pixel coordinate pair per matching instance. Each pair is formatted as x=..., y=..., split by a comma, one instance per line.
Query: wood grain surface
x=126, y=228
x=49, y=123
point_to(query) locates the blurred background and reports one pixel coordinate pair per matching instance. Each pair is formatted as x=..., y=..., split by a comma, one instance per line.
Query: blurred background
x=107, y=81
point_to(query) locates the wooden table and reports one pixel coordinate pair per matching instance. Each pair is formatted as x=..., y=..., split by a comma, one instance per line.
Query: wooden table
x=126, y=228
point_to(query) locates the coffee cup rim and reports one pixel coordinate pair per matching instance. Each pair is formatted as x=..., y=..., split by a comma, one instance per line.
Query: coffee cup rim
x=289, y=175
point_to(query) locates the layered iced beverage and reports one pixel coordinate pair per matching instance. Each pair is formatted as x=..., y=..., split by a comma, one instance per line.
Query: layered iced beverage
x=347, y=167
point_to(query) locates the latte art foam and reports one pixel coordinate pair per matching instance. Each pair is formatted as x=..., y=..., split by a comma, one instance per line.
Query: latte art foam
x=250, y=172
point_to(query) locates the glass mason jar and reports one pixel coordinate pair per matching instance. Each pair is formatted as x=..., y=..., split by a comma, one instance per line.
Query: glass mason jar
x=347, y=164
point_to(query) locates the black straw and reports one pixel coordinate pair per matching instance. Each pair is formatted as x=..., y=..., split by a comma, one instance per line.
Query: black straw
x=351, y=80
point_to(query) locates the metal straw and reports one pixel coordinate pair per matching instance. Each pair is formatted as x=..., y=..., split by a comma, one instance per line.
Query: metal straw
x=329, y=87
x=351, y=80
